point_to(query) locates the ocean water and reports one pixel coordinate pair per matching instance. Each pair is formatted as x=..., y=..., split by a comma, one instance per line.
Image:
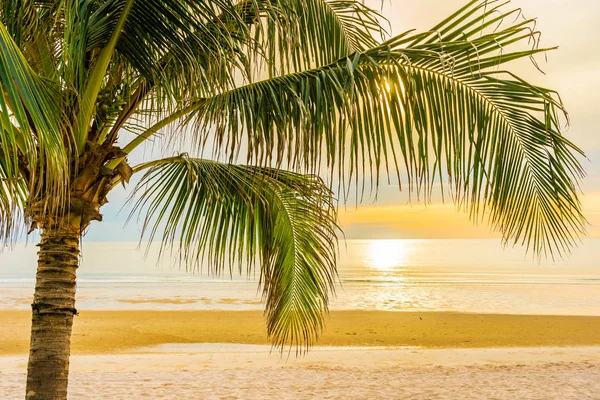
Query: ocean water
x=392, y=275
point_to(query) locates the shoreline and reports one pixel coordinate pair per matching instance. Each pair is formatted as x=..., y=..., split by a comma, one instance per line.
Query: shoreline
x=105, y=332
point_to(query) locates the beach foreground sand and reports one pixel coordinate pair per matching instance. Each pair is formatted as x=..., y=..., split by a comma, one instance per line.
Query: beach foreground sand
x=117, y=331
x=366, y=355
x=250, y=372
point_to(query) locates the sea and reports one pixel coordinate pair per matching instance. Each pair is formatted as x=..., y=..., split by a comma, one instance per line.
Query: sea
x=474, y=275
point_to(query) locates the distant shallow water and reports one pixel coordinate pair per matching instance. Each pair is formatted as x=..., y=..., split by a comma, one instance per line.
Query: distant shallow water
x=395, y=275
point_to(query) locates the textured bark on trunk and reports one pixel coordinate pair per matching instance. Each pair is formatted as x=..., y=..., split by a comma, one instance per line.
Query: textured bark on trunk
x=53, y=309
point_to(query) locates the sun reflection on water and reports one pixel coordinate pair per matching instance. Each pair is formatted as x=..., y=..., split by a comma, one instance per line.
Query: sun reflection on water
x=385, y=255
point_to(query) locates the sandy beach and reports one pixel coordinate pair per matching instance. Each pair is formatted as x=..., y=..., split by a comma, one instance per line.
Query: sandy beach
x=251, y=372
x=362, y=355
x=117, y=331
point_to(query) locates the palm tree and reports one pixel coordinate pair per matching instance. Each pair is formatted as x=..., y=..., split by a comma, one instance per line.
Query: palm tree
x=313, y=99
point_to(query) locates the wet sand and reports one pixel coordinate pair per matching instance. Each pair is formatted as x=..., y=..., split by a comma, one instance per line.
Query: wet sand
x=97, y=332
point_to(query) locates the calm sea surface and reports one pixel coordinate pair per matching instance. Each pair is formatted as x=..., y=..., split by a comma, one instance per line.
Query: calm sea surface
x=397, y=275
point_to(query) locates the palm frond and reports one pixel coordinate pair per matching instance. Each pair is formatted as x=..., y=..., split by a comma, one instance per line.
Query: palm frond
x=301, y=34
x=431, y=106
x=232, y=215
x=193, y=46
x=97, y=76
x=33, y=129
x=194, y=49
x=20, y=19
x=13, y=197
x=203, y=49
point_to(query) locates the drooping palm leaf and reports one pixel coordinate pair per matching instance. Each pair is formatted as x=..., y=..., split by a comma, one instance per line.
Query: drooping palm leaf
x=228, y=215
x=433, y=106
x=13, y=197
x=32, y=127
x=302, y=34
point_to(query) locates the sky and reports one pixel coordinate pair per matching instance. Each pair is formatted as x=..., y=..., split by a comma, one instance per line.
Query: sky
x=573, y=70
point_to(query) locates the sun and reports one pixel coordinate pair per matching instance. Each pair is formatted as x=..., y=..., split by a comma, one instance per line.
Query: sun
x=387, y=254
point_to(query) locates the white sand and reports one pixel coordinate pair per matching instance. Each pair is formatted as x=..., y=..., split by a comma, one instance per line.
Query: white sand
x=249, y=372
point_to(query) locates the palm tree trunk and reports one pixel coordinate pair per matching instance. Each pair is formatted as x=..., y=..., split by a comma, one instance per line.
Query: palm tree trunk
x=53, y=309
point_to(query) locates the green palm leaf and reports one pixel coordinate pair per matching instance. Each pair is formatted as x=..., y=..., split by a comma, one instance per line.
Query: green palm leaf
x=182, y=63
x=301, y=34
x=233, y=215
x=32, y=127
x=13, y=196
x=196, y=48
x=433, y=106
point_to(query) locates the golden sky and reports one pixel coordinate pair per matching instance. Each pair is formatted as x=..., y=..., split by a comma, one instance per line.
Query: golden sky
x=435, y=221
